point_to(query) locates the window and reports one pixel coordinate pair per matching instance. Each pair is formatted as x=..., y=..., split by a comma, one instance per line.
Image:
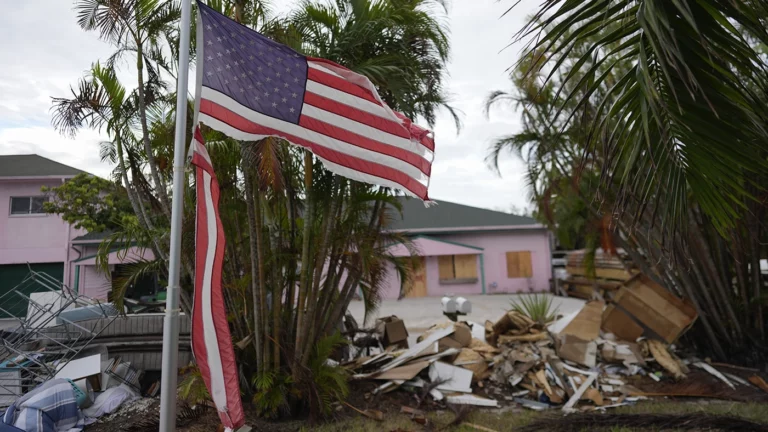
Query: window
x=27, y=205
x=519, y=264
x=457, y=268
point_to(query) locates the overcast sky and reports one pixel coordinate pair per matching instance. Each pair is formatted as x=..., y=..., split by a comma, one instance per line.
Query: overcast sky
x=44, y=52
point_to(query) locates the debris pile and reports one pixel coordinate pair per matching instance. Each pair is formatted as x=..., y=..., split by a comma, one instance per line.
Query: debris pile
x=74, y=350
x=592, y=359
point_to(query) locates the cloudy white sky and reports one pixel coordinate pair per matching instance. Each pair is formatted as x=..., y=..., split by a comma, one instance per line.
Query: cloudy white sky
x=44, y=52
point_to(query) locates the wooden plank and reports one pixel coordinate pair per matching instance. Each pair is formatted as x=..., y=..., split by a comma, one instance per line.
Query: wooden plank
x=513, y=265
x=418, y=284
x=602, y=273
x=622, y=325
x=526, y=267
x=466, y=266
x=656, y=308
x=445, y=267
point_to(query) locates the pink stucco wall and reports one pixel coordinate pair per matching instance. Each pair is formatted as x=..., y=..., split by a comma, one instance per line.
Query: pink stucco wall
x=32, y=238
x=495, y=246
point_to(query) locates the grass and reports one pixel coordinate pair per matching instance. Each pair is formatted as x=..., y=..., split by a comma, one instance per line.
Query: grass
x=511, y=420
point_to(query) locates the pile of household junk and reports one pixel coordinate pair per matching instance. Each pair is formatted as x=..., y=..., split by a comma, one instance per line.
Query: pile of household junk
x=71, y=359
x=594, y=358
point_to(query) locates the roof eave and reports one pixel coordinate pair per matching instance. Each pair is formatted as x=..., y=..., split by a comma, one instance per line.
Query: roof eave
x=40, y=177
x=470, y=228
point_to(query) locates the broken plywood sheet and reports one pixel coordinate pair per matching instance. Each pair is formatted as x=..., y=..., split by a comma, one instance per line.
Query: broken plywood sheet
x=451, y=378
x=586, y=324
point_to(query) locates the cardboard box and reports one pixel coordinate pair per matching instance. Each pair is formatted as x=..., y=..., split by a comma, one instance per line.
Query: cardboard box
x=653, y=306
x=392, y=331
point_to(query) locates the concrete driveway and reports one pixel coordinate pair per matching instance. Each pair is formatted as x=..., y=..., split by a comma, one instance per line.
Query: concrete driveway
x=421, y=313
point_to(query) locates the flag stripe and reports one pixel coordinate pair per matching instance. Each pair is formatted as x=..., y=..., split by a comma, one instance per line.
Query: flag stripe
x=364, y=118
x=252, y=131
x=385, y=125
x=319, y=90
x=349, y=100
x=211, y=338
x=224, y=108
x=311, y=119
x=341, y=84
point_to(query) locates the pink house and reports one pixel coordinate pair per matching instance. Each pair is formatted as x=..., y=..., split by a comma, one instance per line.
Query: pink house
x=468, y=250
x=30, y=238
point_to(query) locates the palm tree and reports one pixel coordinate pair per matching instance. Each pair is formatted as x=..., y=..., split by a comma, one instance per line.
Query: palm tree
x=401, y=46
x=623, y=91
x=135, y=26
x=692, y=106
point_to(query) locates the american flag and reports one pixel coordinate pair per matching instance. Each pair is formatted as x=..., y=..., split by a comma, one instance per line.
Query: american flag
x=211, y=340
x=251, y=87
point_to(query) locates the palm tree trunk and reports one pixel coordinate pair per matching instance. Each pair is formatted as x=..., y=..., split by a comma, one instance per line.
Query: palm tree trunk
x=305, y=267
x=252, y=227
x=328, y=226
x=160, y=186
x=264, y=313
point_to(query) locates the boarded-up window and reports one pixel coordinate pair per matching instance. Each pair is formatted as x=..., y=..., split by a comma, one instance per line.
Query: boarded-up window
x=457, y=267
x=519, y=264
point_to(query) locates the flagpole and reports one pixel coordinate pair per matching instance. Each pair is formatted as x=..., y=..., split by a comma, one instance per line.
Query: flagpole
x=170, y=363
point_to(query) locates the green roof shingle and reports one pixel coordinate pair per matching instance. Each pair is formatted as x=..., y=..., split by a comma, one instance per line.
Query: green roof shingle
x=447, y=215
x=33, y=165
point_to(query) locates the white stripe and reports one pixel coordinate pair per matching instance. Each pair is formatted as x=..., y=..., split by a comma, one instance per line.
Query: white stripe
x=333, y=167
x=365, y=130
x=353, y=101
x=323, y=68
x=300, y=132
x=218, y=390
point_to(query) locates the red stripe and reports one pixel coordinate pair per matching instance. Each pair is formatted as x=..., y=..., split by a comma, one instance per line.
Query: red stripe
x=372, y=168
x=342, y=134
x=341, y=84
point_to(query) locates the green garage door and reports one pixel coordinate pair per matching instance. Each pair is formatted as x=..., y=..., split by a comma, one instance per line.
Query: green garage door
x=11, y=275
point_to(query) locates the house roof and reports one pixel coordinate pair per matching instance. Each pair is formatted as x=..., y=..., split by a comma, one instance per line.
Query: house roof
x=92, y=237
x=447, y=216
x=33, y=165
x=428, y=246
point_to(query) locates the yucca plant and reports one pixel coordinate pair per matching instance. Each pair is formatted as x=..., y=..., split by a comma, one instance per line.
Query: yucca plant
x=537, y=306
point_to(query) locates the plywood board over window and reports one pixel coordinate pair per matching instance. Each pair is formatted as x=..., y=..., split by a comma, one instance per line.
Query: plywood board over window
x=457, y=268
x=519, y=264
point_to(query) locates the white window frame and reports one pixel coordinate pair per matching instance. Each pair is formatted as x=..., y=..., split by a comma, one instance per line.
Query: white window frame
x=30, y=214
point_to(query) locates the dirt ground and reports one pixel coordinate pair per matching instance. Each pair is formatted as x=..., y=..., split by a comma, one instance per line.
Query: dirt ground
x=699, y=393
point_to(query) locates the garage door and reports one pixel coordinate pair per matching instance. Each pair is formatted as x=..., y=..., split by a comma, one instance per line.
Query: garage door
x=11, y=275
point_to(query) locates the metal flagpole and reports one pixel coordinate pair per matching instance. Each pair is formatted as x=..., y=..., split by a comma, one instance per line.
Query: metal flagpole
x=171, y=323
